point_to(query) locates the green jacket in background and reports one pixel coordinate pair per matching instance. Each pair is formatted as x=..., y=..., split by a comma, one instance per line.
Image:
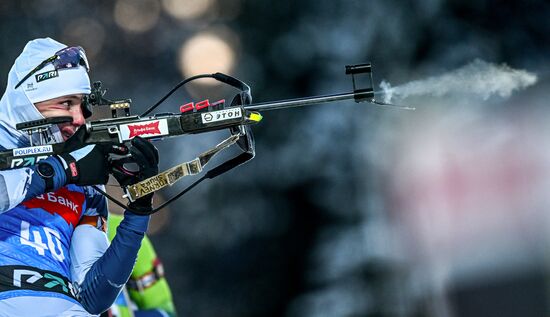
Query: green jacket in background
x=147, y=287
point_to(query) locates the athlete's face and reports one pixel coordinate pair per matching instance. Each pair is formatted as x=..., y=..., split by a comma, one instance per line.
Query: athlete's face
x=69, y=106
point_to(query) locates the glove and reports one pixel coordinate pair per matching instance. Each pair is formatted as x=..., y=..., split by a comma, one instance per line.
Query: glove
x=145, y=155
x=87, y=164
x=79, y=163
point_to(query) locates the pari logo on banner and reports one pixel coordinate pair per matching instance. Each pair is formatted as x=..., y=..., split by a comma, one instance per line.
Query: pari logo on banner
x=144, y=129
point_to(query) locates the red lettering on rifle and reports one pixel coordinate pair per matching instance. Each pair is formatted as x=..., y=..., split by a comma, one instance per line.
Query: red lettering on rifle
x=141, y=129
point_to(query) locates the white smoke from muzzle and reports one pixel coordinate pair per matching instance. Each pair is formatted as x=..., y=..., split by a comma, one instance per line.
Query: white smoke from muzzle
x=478, y=79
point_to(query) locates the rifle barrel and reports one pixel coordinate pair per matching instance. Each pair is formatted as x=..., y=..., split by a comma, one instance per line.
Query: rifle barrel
x=300, y=102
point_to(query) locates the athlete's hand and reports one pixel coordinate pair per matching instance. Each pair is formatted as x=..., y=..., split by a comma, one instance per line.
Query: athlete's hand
x=145, y=156
x=87, y=164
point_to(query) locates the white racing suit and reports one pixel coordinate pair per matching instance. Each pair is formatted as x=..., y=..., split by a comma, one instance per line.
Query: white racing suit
x=55, y=259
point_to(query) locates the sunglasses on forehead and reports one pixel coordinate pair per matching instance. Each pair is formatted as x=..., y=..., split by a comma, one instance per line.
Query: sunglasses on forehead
x=68, y=57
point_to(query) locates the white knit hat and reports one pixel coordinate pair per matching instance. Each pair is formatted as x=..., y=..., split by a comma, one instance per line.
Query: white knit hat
x=69, y=81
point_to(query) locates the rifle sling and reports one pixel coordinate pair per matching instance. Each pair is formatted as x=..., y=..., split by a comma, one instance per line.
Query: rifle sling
x=172, y=175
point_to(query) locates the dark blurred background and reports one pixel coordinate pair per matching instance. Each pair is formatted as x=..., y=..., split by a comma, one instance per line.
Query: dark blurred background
x=348, y=209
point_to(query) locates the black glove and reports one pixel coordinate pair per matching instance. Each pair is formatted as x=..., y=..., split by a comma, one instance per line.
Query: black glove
x=87, y=164
x=146, y=156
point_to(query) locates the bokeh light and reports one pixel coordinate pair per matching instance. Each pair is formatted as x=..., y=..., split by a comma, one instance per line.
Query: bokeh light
x=187, y=9
x=137, y=15
x=206, y=52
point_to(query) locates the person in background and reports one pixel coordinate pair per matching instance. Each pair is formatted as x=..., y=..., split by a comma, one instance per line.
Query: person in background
x=147, y=293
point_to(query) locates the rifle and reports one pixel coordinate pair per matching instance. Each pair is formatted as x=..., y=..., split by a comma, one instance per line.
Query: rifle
x=192, y=118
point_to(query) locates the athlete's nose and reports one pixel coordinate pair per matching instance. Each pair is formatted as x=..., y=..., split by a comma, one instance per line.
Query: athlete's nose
x=78, y=117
